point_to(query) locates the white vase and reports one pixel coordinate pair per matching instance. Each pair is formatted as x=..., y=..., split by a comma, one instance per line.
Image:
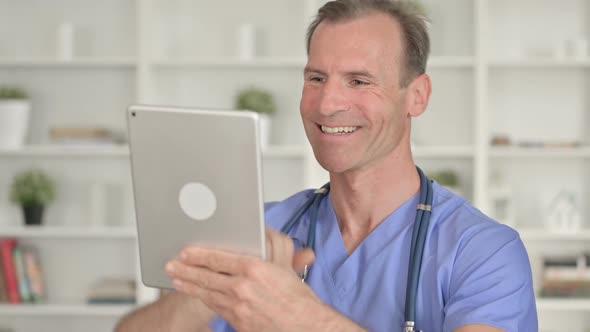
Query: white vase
x=264, y=125
x=65, y=41
x=246, y=41
x=14, y=122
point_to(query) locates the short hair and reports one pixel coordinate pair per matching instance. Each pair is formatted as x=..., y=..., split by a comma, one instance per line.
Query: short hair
x=410, y=16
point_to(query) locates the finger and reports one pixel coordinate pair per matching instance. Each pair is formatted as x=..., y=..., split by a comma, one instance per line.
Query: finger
x=282, y=249
x=199, y=276
x=302, y=258
x=215, y=260
x=268, y=245
x=215, y=300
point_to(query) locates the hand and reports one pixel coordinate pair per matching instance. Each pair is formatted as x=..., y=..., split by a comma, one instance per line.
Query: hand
x=251, y=294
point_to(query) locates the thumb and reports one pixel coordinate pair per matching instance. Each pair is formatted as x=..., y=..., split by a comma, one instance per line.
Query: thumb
x=303, y=257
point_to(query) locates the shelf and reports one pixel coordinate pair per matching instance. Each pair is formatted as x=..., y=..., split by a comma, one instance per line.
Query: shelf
x=520, y=152
x=546, y=235
x=69, y=232
x=451, y=62
x=547, y=304
x=228, y=62
x=287, y=62
x=270, y=152
x=64, y=310
x=106, y=62
x=217, y=62
x=122, y=151
x=286, y=151
x=458, y=151
x=59, y=151
x=541, y=63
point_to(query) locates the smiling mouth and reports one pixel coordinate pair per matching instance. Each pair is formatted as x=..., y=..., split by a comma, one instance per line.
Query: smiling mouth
x=338, y=130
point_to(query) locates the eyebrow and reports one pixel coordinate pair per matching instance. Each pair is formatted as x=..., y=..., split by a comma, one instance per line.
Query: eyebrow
x=363, y=73
x=309, y=69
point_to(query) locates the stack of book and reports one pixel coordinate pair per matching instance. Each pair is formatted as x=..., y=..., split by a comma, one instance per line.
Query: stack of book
x=112, y=291
x=566, y=276
x=21, y=278
x=84, y=136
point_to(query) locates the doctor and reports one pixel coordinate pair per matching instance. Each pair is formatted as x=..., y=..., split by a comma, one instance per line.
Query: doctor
x=363, y=83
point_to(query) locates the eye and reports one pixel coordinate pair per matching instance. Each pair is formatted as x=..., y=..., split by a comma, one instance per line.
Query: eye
x=316, y=79
x=359, y=82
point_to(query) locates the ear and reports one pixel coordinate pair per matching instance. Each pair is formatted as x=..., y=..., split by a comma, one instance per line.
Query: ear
x=419, y=93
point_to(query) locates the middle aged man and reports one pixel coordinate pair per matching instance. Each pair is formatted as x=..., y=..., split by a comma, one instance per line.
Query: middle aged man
x=364, y=81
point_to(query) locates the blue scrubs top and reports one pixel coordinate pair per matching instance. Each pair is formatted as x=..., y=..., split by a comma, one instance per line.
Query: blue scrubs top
x=474, y=270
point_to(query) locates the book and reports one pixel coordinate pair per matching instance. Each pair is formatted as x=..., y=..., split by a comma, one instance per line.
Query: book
x=566, y=273
x=24, y=289
x=3, y=289
x=84, y=136
x=581, y=260
x=566, y=276
x=35, y=274
x=566, y=289
x=113, y=291
x=79, y=132
x=6, y=250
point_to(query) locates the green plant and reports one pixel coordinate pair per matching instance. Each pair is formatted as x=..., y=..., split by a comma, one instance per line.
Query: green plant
x=257, y=100
x=446, y=178
x=419, y=8
x=7, y=92
x=32, y=187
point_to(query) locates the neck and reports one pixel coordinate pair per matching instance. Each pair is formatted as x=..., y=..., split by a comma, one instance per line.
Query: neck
x=363, y=198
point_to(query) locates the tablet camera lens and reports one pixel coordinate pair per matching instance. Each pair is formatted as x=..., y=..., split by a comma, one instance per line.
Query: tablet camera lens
x=132, y=113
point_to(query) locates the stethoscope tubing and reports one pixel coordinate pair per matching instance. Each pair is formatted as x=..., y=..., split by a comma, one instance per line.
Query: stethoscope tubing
x=286, y=229
x=419, y=233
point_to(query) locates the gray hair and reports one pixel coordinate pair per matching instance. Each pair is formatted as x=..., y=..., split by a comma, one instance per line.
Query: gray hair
x=410, y=16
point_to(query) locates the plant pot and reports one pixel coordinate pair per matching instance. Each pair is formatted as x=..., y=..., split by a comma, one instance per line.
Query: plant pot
x=33, y=214
x=14, y=122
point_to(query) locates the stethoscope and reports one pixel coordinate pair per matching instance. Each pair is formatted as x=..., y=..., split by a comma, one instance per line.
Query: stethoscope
x=417, y=247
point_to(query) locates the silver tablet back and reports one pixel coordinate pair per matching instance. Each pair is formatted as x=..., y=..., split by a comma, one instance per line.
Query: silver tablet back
x=196, y=180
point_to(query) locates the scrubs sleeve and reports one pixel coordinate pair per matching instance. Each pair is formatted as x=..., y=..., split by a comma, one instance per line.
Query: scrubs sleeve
x=220, y=325
x=491, y=283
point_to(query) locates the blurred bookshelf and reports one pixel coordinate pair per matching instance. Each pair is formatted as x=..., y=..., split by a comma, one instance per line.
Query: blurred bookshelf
x=158, y=53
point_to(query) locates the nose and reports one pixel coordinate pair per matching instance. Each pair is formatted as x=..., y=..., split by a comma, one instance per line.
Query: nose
x=332, y=99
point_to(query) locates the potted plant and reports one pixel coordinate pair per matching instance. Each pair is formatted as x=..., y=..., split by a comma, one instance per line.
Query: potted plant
x=262, y=102
x=32, y=190
x=420, y=8
x=448, y=179
x=14, y=117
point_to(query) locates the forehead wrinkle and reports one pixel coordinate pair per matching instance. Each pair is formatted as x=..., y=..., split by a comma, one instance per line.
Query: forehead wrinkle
x=386, y=47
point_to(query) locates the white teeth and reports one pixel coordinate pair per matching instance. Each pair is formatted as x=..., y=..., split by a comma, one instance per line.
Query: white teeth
x=338, y=130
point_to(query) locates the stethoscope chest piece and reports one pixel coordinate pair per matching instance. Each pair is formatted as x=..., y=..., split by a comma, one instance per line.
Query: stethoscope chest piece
x=410, y=327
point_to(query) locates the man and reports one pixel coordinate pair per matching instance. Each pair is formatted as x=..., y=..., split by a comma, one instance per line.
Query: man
x=364, y=81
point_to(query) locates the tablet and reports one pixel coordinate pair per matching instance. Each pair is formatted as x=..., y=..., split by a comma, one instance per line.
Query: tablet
x=196, y=181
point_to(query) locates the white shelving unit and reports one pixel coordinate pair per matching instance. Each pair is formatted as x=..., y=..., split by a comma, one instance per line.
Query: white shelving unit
x=444, y=152
x=69, y=232
x=64, y=310
x=544, y=235
x=59, y=151
x=288, y=62
x=88, y=62
x=541, y=153
x=492, y=70
x=517, y=63
x=563, y=305
x=121, y=151
x=233, y=62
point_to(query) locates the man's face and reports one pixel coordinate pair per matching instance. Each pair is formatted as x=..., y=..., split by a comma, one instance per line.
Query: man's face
x=352, y=104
